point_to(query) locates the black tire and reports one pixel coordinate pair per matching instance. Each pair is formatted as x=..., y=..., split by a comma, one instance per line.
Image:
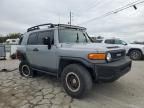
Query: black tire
x=76, y=80
x=135, y=55
x=25, y=70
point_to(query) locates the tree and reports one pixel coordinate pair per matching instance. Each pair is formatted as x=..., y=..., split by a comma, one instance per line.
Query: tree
x=13, y=35
x=9, y=36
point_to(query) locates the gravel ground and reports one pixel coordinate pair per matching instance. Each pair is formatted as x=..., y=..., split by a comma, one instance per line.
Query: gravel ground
x=45, y=91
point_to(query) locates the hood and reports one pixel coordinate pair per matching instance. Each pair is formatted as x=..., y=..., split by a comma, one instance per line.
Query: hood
x=91, y=46
x=136, y=45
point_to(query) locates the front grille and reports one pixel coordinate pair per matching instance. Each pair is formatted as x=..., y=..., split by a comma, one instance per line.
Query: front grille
x=105, y=72
x=117, y=54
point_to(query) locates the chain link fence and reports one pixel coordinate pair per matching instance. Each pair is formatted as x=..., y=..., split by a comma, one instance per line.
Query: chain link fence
x=8, y=51
x=2, y=52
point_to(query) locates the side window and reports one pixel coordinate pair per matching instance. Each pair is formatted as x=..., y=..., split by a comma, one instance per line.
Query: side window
x=32, y=39
x=118, y=42
x=42, y=35
x=123, y=42
x=109, y=41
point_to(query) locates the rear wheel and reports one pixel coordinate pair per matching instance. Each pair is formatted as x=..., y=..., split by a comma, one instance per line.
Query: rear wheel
x=135, y=55
x=76, y=80
x=25, y=70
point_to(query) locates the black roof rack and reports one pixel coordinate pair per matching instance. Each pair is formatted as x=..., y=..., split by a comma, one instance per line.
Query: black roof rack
x=71, y=26
x=38, y=27
x=50, y=25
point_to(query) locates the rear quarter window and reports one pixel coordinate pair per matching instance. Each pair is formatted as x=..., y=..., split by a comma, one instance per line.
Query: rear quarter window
x=33, y=40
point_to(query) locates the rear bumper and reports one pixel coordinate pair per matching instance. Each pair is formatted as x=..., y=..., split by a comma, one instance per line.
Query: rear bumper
x=114, y=70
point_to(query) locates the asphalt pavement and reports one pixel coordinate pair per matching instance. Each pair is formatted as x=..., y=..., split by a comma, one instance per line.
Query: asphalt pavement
x=45, y=91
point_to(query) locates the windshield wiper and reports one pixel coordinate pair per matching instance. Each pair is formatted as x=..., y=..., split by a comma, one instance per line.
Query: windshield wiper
x=85, y=38
x=77, y=38
x=90, y=38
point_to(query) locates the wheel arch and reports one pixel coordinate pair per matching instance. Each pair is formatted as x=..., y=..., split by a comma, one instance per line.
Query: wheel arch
x=134, y=49
x=65, y=61
x=21, y=55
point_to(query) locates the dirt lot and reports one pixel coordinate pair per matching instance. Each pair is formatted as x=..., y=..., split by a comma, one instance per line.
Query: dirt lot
x=46, y=92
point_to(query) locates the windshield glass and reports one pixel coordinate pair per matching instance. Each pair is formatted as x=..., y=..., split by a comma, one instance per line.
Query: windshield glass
x=73, y=36
x=124, y=43
x=120, y=42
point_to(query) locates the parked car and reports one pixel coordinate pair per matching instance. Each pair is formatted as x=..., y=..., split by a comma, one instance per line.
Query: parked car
x=12, y=41
x=135, y=51
x=66, y=51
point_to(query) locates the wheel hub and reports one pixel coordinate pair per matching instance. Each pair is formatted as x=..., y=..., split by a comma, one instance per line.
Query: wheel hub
x=135, y=55
x=25, y=70
x=72, y=82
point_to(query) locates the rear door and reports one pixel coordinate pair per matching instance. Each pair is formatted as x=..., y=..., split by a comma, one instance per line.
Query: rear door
x=31, y=48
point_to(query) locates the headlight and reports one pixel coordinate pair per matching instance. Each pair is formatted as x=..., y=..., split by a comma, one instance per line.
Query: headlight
x=108, y=57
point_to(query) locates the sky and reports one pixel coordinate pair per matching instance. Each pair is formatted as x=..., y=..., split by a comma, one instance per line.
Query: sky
x=18, y=15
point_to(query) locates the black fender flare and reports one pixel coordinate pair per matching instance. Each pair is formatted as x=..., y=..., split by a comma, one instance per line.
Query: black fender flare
x=72, y=60
x=21, y=55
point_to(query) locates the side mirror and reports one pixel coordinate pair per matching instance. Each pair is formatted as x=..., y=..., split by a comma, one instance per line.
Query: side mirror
x=47, y=41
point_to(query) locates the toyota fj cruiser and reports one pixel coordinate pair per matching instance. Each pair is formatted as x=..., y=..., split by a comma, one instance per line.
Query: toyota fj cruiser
x=67, y=52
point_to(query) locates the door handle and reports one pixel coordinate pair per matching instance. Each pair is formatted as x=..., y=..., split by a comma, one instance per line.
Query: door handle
x=35, y=49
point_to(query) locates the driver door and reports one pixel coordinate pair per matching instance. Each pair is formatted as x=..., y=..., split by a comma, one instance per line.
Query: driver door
x=43, y=58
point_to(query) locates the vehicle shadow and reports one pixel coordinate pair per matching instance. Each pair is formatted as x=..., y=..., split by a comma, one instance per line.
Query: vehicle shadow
x=114, y=89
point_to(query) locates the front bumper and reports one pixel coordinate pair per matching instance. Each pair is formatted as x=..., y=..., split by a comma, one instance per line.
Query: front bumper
x=113, y=70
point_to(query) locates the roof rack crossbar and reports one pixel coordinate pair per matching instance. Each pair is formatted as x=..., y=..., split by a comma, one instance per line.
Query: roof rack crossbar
x=38, y=27
x=71, y=26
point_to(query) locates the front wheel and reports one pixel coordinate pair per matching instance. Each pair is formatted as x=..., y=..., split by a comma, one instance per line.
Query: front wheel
x=76, y=80
x=135, y=55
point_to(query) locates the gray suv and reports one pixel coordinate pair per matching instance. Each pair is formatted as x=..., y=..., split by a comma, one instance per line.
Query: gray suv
x=67, y=52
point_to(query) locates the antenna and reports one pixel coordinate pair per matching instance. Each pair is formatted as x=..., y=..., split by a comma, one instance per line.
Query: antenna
x=70, y=17
x=59, y=19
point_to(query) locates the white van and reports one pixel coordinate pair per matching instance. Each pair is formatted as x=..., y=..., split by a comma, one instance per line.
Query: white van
x=12, y=41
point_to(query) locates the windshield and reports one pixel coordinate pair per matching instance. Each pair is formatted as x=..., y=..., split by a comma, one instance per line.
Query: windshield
x=124, y=43
x=120, y=42
x=73, y=36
